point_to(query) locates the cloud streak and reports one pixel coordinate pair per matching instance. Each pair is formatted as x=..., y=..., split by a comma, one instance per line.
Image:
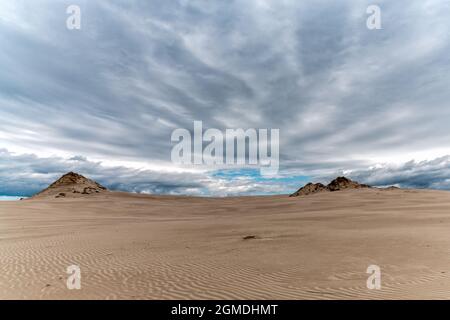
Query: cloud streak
x=344, y=97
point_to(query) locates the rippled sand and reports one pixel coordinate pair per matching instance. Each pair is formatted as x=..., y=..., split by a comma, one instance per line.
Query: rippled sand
x=147, y=247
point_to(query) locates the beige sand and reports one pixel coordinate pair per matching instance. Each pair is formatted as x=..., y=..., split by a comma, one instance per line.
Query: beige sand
x=148, y=247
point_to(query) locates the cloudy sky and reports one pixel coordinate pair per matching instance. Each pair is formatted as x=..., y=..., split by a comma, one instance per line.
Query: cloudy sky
x=104, y=100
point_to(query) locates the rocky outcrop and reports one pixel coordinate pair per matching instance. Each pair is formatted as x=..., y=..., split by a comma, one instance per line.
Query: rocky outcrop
x=340, y=183
x=71, y=185
x=310, y=188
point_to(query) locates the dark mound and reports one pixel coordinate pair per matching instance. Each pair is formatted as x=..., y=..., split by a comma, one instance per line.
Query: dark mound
x=310, y=188
x=71, y=184
x=340, y=183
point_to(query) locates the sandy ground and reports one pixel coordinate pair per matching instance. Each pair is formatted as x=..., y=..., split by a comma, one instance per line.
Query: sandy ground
x=146, y=247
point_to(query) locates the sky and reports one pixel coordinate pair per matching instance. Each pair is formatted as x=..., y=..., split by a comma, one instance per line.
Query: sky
x=103, y=100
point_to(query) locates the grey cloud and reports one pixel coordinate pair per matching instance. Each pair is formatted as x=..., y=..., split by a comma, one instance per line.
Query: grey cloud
x=430, y=174
x=116, y=89
x=28, y=174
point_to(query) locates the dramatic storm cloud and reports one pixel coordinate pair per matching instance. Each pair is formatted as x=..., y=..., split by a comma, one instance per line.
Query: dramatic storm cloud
x=370, y=103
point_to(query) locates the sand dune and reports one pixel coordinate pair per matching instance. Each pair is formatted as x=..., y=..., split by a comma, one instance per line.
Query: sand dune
x=154, y=247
